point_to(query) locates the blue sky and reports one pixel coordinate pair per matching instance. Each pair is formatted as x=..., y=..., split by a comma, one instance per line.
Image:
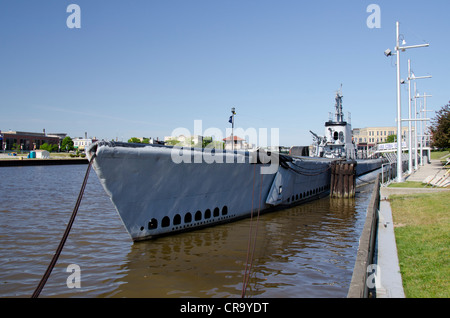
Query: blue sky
x=144, y=68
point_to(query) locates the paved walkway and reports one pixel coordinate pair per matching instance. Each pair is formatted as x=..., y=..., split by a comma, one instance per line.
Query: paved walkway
x=431, y=172
x=390, y=280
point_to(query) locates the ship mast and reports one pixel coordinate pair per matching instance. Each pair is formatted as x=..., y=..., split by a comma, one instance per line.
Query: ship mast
x=339, y=115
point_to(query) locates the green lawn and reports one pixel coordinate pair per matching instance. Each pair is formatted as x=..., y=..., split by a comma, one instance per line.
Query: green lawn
x=439, y=154
x=422, y=231
x=410, y=184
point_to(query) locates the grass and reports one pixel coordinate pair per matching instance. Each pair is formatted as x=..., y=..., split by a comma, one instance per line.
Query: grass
x=422, y=231
x=439, y=154
x=410, y=184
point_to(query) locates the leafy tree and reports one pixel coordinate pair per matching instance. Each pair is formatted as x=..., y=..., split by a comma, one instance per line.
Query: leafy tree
x=16, y=147
x=391, y=138
x=206, y=141
x=49, y=148
x=172, y=142
x=134, y=140
x=440, y=128
x=67, y=144
x=219, y=145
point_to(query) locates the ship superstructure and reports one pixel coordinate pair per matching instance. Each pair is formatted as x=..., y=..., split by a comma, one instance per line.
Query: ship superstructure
x=337, y=141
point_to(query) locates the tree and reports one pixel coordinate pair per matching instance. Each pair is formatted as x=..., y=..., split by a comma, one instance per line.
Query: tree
x=67, y=144
x=134, y=140
x=391, y=138
x=49, y=147
x=440, y=128
x=172, y=142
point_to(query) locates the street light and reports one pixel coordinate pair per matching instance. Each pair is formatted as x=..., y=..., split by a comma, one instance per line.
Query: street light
x=424, y=111
x=411, y=77
x=399, y=48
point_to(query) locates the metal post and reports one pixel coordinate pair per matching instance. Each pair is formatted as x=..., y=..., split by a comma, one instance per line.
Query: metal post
x=415, y=128
x=398, y=49
x=426, y=125
x=421, y=136
x=422, y=118
x=399, y=112
x=409, y=123
x=232, y=127
x=425, y=115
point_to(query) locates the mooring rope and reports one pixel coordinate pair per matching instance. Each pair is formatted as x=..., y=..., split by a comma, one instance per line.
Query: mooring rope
x=66, y=234
x=249, y=236
x=248, y=267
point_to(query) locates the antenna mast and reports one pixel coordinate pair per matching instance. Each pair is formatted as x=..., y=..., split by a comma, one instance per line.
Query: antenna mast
x=338, y=111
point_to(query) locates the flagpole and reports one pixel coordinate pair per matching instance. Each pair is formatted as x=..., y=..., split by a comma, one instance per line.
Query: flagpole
x=232, y=127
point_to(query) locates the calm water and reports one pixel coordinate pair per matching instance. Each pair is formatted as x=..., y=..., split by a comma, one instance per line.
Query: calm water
x=306, y=251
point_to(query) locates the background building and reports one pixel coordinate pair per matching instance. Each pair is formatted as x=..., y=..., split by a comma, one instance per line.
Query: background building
x=21, y=140
x=82, y=143
x=367, y=139
x=239, y=144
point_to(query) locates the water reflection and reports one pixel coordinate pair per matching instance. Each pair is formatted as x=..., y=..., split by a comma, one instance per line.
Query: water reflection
x=305, y=251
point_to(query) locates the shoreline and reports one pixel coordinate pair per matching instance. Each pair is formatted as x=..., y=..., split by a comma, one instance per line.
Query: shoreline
x=41, y=162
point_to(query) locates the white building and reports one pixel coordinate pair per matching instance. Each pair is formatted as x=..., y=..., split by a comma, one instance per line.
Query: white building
x=239, y=143
x=82, y=143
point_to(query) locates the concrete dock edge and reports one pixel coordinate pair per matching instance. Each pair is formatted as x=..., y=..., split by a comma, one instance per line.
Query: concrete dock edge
x=367, y=244
x=389, y=280
x=377, y=271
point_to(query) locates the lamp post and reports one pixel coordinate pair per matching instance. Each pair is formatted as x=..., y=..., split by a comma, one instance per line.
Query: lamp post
x=412, y=77
x=424, y=112
x=233, y=112
x=388, y=52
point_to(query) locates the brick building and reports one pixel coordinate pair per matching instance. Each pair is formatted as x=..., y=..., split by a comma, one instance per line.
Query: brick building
x=28, y=140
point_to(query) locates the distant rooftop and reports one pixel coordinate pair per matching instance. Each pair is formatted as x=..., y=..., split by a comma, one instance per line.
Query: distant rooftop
x=236, y=138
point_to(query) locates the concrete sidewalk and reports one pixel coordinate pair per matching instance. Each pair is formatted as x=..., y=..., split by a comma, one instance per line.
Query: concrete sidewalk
x=431, y=172
x=389, y=284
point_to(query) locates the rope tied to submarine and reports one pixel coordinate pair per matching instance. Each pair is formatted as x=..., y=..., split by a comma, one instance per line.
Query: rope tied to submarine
x=248, y=266
x=66, y=233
